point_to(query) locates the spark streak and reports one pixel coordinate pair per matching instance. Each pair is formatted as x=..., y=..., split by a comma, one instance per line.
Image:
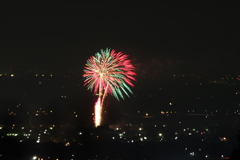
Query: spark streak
x=98, y=112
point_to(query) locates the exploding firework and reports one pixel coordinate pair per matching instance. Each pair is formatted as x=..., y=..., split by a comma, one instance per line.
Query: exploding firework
x=108, y=72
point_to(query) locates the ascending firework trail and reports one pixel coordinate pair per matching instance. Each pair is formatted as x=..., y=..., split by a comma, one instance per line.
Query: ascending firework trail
x=108, y=72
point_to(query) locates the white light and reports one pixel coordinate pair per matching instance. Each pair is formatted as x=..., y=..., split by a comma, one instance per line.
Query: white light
x=145, y=137
x=34, y=157
x=192, y=154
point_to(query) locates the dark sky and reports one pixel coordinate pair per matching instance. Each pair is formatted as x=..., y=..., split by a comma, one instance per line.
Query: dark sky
x=202, y=34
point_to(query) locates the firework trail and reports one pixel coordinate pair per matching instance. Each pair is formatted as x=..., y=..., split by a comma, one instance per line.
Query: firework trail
x=98, y=112
x=108, y=72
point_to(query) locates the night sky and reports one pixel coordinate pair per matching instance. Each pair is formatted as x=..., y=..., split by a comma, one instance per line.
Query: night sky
x=61, y=35
x=186, y=56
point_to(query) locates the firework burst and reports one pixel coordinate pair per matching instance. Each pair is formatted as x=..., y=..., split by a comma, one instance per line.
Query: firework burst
x=108, y=72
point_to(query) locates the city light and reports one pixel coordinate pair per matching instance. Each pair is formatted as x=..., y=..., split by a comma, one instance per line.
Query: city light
x=165, y=122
